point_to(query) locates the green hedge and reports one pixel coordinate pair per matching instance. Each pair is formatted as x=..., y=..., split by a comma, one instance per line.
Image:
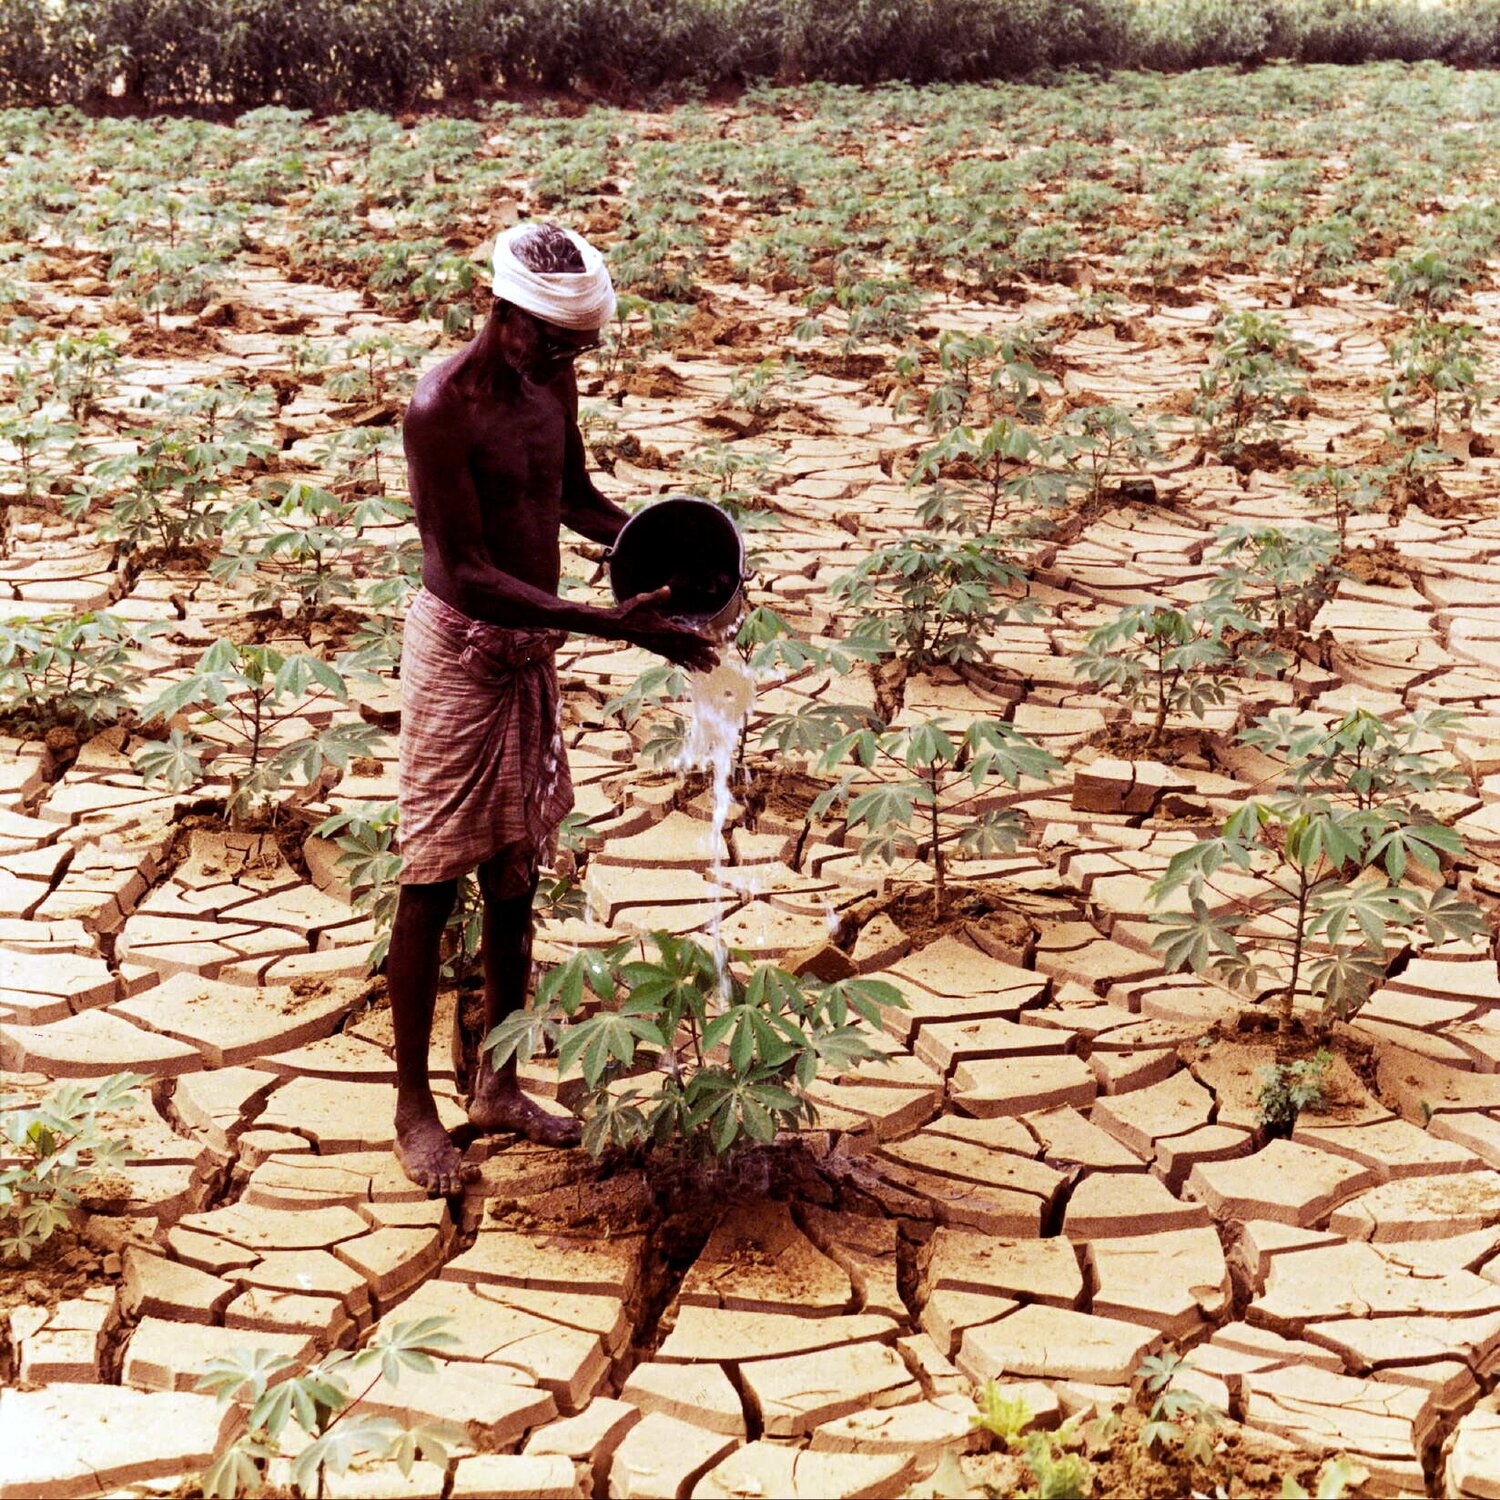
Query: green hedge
x=342, y=54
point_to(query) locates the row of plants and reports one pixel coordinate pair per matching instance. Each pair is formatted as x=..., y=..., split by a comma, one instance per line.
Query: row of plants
x=332, y=52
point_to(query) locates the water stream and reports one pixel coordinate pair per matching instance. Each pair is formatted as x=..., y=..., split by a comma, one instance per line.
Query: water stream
x=718, y=704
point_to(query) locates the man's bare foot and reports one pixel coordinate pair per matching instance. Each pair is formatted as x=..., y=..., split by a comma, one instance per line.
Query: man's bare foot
x=501, y=1108
x=429, y=1157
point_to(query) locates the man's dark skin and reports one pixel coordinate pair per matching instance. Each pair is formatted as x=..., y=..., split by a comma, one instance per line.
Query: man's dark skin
x=496, y=465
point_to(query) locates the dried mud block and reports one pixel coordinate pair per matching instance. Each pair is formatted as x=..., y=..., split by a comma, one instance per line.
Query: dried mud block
x=73, y=1440
x=677, y=840
x=1069, y=1140
x=953, y=969
x=757, y=1259
x=791, y=1396
x=1138, y=1120
x=1473, y=1467
x=494, y=1405
x=233, y=1024
x=590, y=1437
x=1419, y=1088
x=938, y=1375
x=1384, y=1425
x=380, y=1479
x=173, y=945
x=68, y=981
x=573, y=1263
x=601, y=1315
x=515, y=1476
x=268, y=1309
x=338, y=1116
x=761, y=1469
x=1176, y=1281
x=945, y=1044
x=865, y=1249
x=1392, y=1347
x=272, y=1229
x=313, y=1272
x=947, y=1313
x=1286, y=1182
x=1421, y=1208
x=661, y=1456
x=157, y=1287
x=1054, y=1343
x=167, y=1356
x=64, y=1342
x=92, y=1044
x=717, y=1333
x=700, y=1394
x=1179, y=1154
x=220, y=1103
x=393, y=1260
x=1036, y=1270
x=970, y=1162
x=1114, y=1205
x=1358, y=1280
x=925, y=1430
x=569, y=1362
x=1017, y=1086
x=1393, y=1148
x=1097, y=965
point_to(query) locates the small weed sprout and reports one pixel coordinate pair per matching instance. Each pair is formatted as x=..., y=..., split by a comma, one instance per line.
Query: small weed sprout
x=1287, y=1089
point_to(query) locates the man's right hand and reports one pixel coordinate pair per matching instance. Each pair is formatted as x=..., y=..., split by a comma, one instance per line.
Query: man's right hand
x=641, y=622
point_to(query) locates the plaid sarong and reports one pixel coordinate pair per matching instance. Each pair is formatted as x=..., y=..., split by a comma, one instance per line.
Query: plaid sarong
x=483, y=767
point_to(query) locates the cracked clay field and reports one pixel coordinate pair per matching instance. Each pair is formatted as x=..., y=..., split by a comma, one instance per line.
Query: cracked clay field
x=1116, y=465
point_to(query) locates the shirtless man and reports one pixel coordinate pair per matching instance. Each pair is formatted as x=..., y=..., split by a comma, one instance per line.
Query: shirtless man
x=496, y=466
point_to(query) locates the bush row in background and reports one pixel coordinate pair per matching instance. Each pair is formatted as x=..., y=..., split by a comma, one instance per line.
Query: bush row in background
x=341, y=54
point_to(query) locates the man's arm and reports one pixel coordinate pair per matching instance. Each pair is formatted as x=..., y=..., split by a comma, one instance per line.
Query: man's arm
x=584, y=509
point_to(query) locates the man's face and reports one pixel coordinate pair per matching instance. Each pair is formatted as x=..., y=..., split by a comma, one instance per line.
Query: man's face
x=540, y=350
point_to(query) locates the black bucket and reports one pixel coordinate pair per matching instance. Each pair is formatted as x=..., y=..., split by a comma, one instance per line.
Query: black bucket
x=690, y=546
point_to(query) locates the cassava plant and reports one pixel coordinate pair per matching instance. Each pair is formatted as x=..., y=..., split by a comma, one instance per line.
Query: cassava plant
x=1252, y=381
x=1276, y=575
x=68, y=669
x=730, y=1056
x=1298, y=896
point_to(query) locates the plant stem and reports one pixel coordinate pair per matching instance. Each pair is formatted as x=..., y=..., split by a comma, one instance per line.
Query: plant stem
x=1298, y=938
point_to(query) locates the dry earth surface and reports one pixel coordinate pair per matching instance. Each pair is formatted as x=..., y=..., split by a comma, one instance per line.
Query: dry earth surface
x=1061, y=1171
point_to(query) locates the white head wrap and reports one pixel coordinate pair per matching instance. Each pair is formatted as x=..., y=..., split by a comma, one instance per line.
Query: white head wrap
x=580, y=300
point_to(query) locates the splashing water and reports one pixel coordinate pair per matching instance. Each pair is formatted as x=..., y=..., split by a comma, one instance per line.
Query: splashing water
x=718, y=705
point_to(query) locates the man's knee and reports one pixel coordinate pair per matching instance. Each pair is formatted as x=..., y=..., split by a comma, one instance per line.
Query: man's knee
x=426, y=903
x=509, y=876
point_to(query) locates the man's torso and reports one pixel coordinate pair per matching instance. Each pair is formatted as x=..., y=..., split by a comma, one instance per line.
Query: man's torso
x=515, y=451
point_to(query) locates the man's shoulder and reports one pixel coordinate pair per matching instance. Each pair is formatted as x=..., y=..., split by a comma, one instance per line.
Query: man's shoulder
x=435, y=408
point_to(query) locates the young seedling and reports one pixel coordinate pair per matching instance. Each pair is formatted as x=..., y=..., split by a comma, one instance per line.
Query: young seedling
x=54, y=1152
x=309, y=1423
x=1174, y=661
x=934, y=804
